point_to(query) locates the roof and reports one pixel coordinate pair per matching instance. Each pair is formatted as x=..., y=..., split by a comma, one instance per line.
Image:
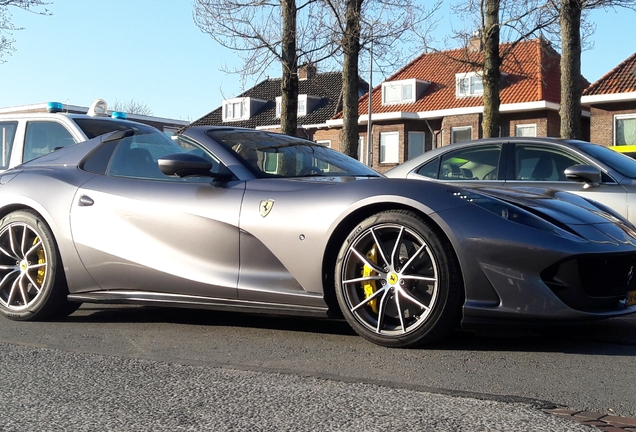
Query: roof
x=532, y=70
x=326, y=85
x=621, y=79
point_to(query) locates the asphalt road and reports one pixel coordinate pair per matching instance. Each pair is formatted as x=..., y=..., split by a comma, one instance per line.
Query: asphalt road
x=137, y=368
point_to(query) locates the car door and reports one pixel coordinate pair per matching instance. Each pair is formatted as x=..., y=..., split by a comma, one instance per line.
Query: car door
x=542, y=166
x=136, y=229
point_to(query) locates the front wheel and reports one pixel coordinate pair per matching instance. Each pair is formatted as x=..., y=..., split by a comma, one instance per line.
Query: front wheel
x=32, y=283
x=397, y=281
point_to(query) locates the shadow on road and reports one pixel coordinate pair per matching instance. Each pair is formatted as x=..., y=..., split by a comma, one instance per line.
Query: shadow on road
x=615, y=336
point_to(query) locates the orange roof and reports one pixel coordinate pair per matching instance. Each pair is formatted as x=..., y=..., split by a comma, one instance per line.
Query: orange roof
x=621, y=79
x=532, y=69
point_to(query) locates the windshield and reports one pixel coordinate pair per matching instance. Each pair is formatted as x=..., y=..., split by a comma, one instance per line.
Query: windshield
x=269, y=154
x=619, y=162
x=93, y=127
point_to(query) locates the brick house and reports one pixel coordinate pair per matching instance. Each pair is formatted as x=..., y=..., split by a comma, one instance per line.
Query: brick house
x=436, y=100
x=612, y=102
x=319, y=99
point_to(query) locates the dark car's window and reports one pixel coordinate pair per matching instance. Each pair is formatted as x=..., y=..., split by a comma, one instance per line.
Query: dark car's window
x=472, y=163
x=542, y=163
x=430, y=169
x=7, y=134
x=42, y=137
x=137, y=157
x=268, y=154
x=93, y=127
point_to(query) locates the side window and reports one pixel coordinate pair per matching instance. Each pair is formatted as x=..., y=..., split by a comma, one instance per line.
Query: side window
x=137, y=157
x=42, y=137
x=429, y=169
x=474, y=163
x=538, y=163
x=7, y=135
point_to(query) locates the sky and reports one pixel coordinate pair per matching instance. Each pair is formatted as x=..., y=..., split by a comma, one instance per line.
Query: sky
x=152, y=53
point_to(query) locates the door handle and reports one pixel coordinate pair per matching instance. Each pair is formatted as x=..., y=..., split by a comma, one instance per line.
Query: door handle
x=86, y=201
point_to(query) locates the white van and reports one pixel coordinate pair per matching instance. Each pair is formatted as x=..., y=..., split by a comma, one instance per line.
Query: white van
x=26, y=136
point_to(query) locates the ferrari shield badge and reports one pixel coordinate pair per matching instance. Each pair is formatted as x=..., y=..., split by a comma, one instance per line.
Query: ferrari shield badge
x=266, y=206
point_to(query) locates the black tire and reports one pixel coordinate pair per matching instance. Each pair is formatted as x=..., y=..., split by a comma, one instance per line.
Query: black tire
x=397, y=281
x=32, y=282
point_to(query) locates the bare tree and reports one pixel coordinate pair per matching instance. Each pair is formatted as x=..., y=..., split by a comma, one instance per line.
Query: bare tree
x=7, y=27
x=572, y=15
x=132, y=107
x=391, y=26
x=262, y=33
x=509, y=21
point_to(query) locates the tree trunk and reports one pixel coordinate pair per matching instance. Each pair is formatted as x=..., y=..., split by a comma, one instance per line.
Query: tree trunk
x=349, y=135
x=491, y=73
x=570, y=20
x=289, y=83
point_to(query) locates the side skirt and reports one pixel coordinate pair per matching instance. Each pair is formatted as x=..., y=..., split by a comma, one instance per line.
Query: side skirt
x=194, y=302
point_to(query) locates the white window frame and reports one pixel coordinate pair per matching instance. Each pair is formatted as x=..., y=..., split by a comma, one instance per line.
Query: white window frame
x=326, y=143
x=471, y=78
x=615, y=125
x=401, y=85
x=526, y=126
x=301, y=107
x=460, y=129
x=389, y=155
x=229, y=113
x=409, y=148
x=362, y=153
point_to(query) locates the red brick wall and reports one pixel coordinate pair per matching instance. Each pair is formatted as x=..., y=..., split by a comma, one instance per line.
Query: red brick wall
x=602, y=121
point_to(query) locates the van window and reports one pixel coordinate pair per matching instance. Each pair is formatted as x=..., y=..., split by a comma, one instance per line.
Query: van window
x=42, y=137
x=7, y=135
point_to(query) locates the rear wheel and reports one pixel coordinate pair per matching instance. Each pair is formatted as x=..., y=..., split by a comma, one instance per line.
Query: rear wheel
x=397, y=281
x=32, y=283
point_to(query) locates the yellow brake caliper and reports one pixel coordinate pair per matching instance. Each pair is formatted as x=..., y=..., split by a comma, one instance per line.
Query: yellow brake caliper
x=370, y=286
x=41, y=260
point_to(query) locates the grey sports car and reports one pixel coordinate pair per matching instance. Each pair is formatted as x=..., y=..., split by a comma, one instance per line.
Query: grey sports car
x=248, y=220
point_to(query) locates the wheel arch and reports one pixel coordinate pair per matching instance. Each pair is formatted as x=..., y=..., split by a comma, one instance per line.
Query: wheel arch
x=344, y=228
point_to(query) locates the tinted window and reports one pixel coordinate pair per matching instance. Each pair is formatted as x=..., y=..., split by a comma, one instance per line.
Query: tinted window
x=42, y=137
x=539, y=163
x=473, y=163
x=277, y=155
x=7, y=134
x=429, y=169
x=137, y=157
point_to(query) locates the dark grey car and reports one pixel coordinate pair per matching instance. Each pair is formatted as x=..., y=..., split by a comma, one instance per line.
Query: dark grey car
x=246, y=220
x=586, y=169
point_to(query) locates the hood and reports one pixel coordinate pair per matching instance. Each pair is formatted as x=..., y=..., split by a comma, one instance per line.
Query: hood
x=561, y=206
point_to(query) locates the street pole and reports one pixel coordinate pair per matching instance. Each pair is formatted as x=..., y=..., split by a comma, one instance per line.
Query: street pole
x=369, y=121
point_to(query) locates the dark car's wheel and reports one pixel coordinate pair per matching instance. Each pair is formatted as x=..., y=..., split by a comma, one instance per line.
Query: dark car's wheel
x=32, y=283
x=398, y=282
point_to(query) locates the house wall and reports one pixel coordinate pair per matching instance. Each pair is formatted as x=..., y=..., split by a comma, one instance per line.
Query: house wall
x=448, y=123
x=602, y=121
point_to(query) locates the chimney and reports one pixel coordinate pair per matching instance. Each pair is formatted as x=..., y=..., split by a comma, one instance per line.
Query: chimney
x=306, y=71
x=474, y=44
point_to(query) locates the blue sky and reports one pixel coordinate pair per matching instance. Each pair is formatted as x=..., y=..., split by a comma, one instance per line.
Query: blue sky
x=153, y=53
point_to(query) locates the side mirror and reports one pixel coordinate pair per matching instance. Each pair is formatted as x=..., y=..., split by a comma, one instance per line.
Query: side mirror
x=587, y=174
x=188, y=165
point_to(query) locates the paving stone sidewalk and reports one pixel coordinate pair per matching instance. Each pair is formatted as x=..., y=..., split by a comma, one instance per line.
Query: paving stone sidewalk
x=604, y=422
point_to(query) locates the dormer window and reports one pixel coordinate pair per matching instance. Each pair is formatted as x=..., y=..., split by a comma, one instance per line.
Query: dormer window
x=306, y=104
x=241, y=108
x=405, y=91
x=468, y=84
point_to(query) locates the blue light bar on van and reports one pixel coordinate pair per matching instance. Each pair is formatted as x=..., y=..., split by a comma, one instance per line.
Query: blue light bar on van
x=119, y=115
x=54, y=107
